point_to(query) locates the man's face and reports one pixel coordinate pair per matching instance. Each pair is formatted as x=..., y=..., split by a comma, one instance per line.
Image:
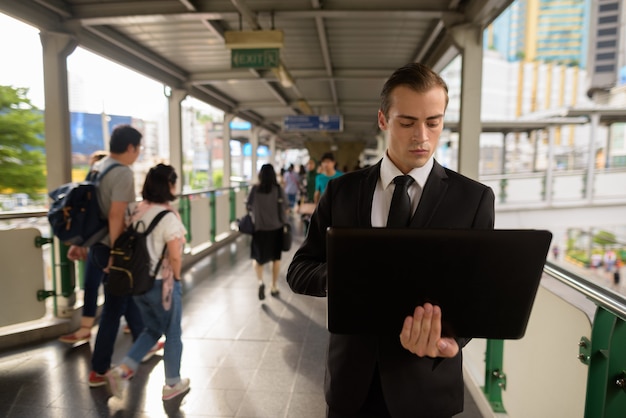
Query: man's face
x=414, y=125
x=327, y=165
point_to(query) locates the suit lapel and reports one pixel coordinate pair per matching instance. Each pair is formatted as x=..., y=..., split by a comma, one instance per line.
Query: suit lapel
x=433, y=193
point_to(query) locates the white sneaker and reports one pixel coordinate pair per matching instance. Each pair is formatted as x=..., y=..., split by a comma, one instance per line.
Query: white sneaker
x=179, y=388
x=117, y=381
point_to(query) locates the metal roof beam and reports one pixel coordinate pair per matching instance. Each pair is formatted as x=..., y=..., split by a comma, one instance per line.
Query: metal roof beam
x=321, y=33
x=137, y=12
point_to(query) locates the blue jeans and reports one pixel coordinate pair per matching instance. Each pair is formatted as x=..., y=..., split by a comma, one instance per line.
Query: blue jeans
x=93, y=278
x=291, y=198
x=158, y=322
x=113, y=309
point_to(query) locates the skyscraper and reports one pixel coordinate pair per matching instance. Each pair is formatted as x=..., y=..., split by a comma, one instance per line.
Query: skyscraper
x=542, y=30
x=607, y=52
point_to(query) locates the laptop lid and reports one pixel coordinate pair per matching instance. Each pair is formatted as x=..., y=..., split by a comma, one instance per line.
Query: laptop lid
x=485, y=281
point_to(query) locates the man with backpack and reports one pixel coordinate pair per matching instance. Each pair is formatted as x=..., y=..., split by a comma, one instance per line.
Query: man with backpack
x=115, y=191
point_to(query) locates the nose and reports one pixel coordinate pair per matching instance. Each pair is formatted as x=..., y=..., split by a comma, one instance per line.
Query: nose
x=420, y=133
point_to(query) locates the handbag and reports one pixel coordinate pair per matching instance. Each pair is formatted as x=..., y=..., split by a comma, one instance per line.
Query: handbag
x=287, y=237
x=287, y=234
x=245, y=223
x=246, y=226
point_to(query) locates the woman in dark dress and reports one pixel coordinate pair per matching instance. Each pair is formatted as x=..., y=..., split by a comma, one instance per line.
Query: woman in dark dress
x=268, y=206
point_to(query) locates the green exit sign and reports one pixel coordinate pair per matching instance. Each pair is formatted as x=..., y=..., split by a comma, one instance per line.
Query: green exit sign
x=255, y=58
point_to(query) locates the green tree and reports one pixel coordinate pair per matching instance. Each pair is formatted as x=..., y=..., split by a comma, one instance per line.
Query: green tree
x=22, y=158
x=604, y=238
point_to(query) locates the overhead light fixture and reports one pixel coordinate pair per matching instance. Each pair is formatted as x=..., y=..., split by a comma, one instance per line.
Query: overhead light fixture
x=253, y=39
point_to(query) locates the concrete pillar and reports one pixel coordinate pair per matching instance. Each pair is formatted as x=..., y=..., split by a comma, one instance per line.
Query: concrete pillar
x=226, y=150
x=175, y=98
x=503, y=155
x=591, y=163
x=535, y=137
x=609, y=143
x=272, y=149
x=469, y=40
x=254, y=142
x=58, y=142
x=550, y=166
x=56, y=47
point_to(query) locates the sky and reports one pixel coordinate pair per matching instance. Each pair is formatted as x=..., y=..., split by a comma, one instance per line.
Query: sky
x=107, y=86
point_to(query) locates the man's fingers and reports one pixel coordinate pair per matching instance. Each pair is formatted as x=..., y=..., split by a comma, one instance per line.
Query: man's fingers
x=447, y=347
x=435, y=327
x=421, y=333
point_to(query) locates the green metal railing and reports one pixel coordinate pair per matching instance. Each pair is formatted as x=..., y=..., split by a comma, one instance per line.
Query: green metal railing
x=184, y=207
x=604, y=354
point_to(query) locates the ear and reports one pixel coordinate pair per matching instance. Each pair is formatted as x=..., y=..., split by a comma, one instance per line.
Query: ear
x=382, y=121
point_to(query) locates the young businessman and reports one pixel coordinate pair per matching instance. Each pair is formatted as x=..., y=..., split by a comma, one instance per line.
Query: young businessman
x=417, y=373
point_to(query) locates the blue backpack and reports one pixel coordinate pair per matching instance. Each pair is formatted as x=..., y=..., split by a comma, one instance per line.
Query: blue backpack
x=74, y=213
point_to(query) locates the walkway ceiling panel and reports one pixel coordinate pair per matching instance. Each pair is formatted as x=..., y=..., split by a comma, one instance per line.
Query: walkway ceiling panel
x=335, y=58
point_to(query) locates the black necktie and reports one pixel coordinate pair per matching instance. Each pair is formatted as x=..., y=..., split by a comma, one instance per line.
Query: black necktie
x=400, y=210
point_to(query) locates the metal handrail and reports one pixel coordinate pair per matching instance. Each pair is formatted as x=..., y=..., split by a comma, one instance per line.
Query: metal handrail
x=20, y=214
x=601, y=296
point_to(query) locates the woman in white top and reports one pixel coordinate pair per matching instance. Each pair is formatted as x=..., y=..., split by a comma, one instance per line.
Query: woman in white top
x=161, y=307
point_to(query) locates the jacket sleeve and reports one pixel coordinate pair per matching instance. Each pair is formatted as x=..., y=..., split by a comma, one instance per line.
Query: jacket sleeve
x=307, y=272
x=485, y=213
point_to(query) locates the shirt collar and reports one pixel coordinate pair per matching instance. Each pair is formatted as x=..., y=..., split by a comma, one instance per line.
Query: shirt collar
x=388, y=171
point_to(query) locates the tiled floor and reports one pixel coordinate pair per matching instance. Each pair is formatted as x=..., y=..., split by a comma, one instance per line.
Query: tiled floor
x=245, y=358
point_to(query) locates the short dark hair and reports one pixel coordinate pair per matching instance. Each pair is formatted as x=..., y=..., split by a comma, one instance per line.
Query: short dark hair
x=416, y=76
x=156, y=188
x=328, y=156
x=123, y=136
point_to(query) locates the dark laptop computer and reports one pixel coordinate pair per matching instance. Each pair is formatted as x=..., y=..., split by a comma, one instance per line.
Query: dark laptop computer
x=485, y=281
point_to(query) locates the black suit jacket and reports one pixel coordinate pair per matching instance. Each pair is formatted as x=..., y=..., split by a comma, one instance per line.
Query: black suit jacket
x=412, y=386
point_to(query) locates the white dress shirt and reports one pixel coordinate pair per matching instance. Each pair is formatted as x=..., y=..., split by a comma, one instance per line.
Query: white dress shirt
x=385, y=187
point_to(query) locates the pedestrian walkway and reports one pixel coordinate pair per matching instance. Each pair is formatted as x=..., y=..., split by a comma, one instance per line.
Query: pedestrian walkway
x=245, y=358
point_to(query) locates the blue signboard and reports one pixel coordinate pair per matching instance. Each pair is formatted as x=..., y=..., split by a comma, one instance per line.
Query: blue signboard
x=332, y=123
x=261, y=151
x=86, y=130
x=240, y=125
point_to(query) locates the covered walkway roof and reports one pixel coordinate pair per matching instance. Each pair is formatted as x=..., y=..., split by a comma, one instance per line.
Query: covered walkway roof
x=336, y=54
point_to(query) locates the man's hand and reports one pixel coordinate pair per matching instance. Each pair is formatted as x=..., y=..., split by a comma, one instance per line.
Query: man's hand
x=77, y=253
x=421, y=334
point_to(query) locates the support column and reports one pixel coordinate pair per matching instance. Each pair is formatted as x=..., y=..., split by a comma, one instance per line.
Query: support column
x=254, y=142
x=175, y=98
x=503, y=154
x=550, y=167
x=272, y=147
x=56, y=47
x=609, y=143
x=58, y=141
x=469, y=40
x=535, y=136
x=226, y=150
x=591, y=163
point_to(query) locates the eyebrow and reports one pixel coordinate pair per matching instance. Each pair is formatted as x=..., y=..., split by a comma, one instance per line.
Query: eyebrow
x=439, y=116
